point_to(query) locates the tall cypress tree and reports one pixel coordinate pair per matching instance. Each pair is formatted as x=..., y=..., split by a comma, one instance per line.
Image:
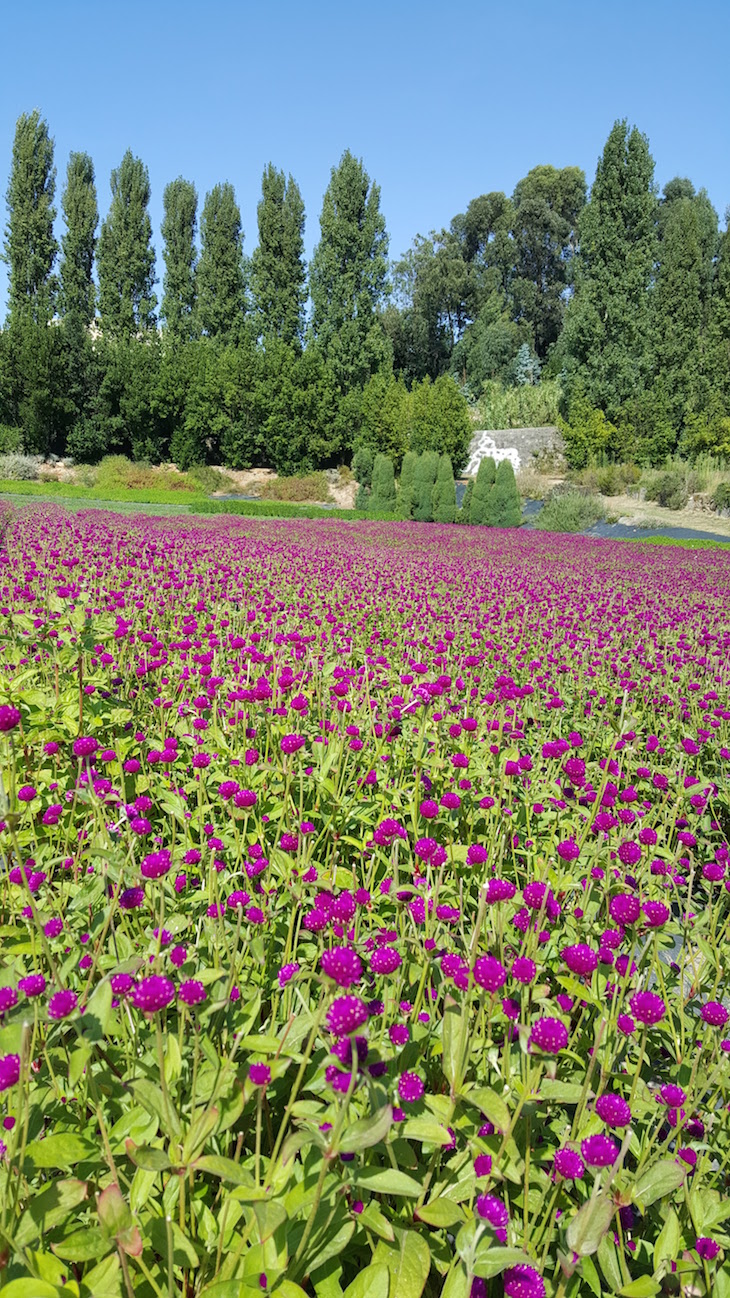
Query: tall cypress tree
x=682, y=300
x=607, y=335
x=220, y=279
x=348, y=274
x=278, y=270
x=180, y=202
x=77, y=293
x=30, y=246
x=718, y=340
x=126, y=258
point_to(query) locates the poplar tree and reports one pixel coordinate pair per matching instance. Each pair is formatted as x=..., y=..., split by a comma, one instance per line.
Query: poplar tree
x=30, y=245
x=718, y=341
x=180, y=202
x=278, y=270
x=220, y=279
x=607, y=335
x=126, y=258
x=682, y=301
x=77, y=293
x=348, y=274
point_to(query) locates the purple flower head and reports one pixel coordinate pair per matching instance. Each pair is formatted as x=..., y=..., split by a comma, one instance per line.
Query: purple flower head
x=648, y=1008
x=568, y=850
x=33, y=985
x=9, y=718
x=259, y=1074
x=385, y=961
x=85, y=746
x=8, y=998
x=343, y=965
x=492, y=1210
x=155, y=864
x=346, y=1014
x=500, y=890
x=580, y=959
x=523, y=1281
x=624, y=908
x=291, y=744
x=410, y=1088
x=62, y=1004
x=599, y=1151
x=714, y=1014
x=153, y=993
x=707, y=1248
x=131, y=898
x=568, y=1164
x=476, y=854
x=523, y=970
x=9, y=1071
x=613, y=1110
x=121, y=984
x=549, y=1035
x=489, y=973
x=191, y=992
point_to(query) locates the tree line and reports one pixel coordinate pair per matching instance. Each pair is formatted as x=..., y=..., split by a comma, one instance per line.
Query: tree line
x=623, y=294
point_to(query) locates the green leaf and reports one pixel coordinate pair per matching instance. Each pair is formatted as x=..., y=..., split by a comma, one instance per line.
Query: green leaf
x=98, y=1012
x=64, y=1150
x=173, y=1059
x=589, y=1225
x=150, y=1097
x=562, y=1092
x=440, y=1212
x=426, y=1130
x=457, y=1284
x=492, y=1106
x=452, y=1043
x=373, y=1282
x=376, y=1222
x=104, y=1280
x=367, y=1131
x=114, y=1212
x=270, y=1215
x=225, y=1168
x=590, y=1275
x=608, y=1259
x=149, y=1157
x=183, y=1252
x=661, y=1178
x=83, y=1245
x=644, y=1287
x=668, y=1241
x=387, y=1181
x=201, y=1128
x=48, y=1209
x=326, y=1279
x=408, y=1260
x=29, y=1289
x=490, y=1261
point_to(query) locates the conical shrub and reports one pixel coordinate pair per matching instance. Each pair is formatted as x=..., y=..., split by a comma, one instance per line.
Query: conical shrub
x=505, y=506
x=405, y=498
x=382, y=498
x=425, y=476
x=464, y=512
x=443, y=496
x=486, y=474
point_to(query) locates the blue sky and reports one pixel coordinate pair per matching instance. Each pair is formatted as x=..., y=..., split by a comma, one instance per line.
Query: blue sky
x=442, y=102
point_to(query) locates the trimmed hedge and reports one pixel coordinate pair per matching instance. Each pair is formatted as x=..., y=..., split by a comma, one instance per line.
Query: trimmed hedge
x=283, y=509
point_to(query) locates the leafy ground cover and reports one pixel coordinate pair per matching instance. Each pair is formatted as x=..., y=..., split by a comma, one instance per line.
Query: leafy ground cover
x=364, y=911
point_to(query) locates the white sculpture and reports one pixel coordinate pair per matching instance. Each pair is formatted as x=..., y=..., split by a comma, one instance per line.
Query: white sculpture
x=482, y=444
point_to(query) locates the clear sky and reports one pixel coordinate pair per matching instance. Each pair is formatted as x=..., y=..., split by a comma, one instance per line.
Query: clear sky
x=443, y=102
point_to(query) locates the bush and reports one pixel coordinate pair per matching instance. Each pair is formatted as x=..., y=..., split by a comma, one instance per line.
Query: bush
x=210, y=479
x=18, y=468
x=443, y=496
x=587, y=434
x=307, y=486
x=607, y=479
x=405, y=499
x=86, y=442
x=11, y=439
x=283, y=509
x=425, y=475
x=669, y=488
x=382, y=499
x=526, y=406
x=486, y=473
x=362, y=466
x=570, y=511
x=504, y=507
x=721, y=496
x=463, y=515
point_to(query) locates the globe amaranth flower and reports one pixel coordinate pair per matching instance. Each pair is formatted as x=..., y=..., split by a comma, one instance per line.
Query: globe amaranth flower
x=121, y=984
x=624, y=908
x=492, y=1210
x=62, y=1004
x=155, y=864
x=85, y=746
x=523, y=970
x=385, y=961
x=9, y=1071
x=599, y=1151
x=581, y=959
x=549, y=1035
x=568, y=850
x=53, y=927
x=648, y=1008
x=191, y=992
x=8, y=998
x=131, y=898
x=346, y=1014
x=410, y=1088
x=613, y=1110
x=343, y=965
x=568, y=1164
x=489, y=973
x=629, y=853
x=292, y=743
x=33, y=985
x=9, y=718
x=523, y=1281
x=655, y=913
x=27, y=793
x=707, y=1248
x=483, y=1165
x=714, y=1014
x=153, y=993
x=476, y=854
x=244, y=799
x=259, y=1074
x=500, y=890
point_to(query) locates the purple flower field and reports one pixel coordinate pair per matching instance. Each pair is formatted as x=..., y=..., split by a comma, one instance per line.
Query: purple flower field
x=365, y=897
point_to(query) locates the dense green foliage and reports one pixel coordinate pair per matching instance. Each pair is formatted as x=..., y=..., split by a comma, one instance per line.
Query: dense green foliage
x=608, y=312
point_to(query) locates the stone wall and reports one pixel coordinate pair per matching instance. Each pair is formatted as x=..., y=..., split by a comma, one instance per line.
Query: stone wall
x=515, y=444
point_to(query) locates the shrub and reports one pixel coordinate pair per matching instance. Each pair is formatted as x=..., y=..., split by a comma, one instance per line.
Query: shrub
x=18, y=468
x=486, y=473
x=570, y=511
x=405, y=499
x=210, y=479
x=308, y=486
x=362, y=466
x=587, y=433
x=526, y=406
x=607, y=479
x=463, y=515
x=669, y=488
x=721, y=496
x=443, y=496
x=382, y=499
x=11, y=439
x=504, y=507
x=86, y=442
x=362, y=498
x=425, y=475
